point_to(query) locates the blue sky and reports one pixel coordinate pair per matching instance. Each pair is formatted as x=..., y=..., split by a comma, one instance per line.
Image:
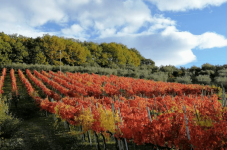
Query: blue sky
x=177, y=32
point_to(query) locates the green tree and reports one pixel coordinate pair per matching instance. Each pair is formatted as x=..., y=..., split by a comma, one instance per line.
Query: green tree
x=208, y=66
x=114, y=52
x=19, y=52
x=168, y=69
x=52, y=47
x=5, y=37
x=5, y=50
x=195, y=70
x=147, y=62
x=104, y=60
x=75, y=53
x=135, y=58
x=35, y=51
x=137, y=53
x=95, y=50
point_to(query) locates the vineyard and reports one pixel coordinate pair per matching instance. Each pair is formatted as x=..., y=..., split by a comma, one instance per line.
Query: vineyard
x=143, y=112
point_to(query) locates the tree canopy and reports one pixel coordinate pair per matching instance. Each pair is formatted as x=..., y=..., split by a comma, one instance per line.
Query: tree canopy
x=46, y=50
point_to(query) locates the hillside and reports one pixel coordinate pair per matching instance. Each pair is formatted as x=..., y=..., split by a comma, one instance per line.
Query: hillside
x=104, y=59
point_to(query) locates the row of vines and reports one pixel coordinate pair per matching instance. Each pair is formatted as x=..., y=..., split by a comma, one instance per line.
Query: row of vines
x=163, y=115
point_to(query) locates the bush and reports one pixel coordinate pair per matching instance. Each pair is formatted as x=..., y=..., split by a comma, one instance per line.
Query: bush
x=129, y=73
x=122, y=66
x=143, y=74
x=54, y=68
x=121, y=72
x=66, y=68
x=158, y=76
x=131, y=67
x=219, y=80
x=206, y=72
x=90, y=70
x=203, y=79
x=222, y=73
x=114, y=72
x=185, y=79
x=113, y=66
x=15, y=66
x=171, y=79
x=134, y=75
x=143, y=67
x=78, y=68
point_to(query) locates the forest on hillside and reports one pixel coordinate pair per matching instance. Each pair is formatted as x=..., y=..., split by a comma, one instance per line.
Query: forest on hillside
x=105, y=59
x=46, y=50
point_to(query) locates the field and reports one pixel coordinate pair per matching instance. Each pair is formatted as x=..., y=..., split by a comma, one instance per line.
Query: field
x=71, y=111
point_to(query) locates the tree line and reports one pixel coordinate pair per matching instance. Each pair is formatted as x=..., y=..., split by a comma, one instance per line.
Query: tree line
x=104, y=59
x=45, y=50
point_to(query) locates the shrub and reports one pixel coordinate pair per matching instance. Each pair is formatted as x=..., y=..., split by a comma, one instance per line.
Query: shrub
x=203, y=79
x=130, y=67
x=66, y=68
x=219, y=80
x=122, y=66
x=185, y=79
x=206, y=72
x=114, y=72
x=222, y=73
x=129, y=72
x=143, y=67
x=171, y=79
x=158, y=76
x=134, y=75
x=121, y=72
x=113, y=66
x=143, y=74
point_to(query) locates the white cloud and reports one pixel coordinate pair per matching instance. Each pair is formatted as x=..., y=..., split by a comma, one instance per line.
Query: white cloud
x=170, y=46
x=129, y=22
x=160, y=22
x=74, y=29
x=10, y=15
x=210, y=40
x=45, y=11
x=76, y=32
x=22, y=29
x=109, y=18
x=126, y=16
x=184, y=5
x=203, y=41
x=33, y=13
x=108, y=32
x=23, y=16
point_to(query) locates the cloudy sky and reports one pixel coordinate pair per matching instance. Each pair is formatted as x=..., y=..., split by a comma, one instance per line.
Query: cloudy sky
x=169, y=32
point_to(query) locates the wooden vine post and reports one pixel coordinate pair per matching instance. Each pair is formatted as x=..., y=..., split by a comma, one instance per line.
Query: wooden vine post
x=186, y=123
x=96, y=137
x=118, y=146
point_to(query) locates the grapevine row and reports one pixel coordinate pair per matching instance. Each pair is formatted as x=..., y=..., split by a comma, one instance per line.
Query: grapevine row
x=128, y=86
x=182, y=121
x=14, y=82
x=2, y=78
x=47, y=91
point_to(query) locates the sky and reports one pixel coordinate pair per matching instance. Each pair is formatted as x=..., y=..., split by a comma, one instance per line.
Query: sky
x=169, y=32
